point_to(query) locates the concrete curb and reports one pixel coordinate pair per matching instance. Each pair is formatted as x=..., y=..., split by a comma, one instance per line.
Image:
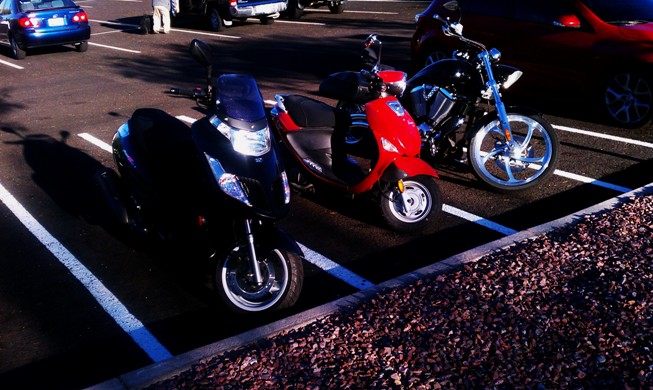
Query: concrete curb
x=166, y=369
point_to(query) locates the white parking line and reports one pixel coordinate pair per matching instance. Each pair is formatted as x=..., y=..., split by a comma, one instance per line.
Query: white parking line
x=114, y=48
x=479, y=220
x=10, y=64
x=604, y=136
x=130, y=324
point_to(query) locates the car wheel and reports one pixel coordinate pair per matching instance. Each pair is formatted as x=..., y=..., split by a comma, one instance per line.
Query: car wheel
x=627, y=98
x=16, y=51
x=295, y=9
x=82, y=46
x=435, y=56
x=336, y=8
x=266, y=20
x=215, y=21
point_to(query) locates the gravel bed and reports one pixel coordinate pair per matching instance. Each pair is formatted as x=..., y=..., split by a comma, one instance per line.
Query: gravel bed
x=570, y=309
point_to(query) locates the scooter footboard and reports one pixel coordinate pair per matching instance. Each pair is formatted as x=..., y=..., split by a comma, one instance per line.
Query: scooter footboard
x=404, y=167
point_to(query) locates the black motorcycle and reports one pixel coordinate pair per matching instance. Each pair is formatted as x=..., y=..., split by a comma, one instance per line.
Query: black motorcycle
x=458, y=107
x=217, y=186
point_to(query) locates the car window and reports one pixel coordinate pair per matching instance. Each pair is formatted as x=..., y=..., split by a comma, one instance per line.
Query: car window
x=5, y=8
x=543, y=11
x=499, y=8
x=621, y=11
x=28, y=5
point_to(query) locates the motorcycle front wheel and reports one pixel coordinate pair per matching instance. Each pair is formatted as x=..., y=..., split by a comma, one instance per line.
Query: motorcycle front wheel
x=282, y=272
x=512, y=167
x=411, y=211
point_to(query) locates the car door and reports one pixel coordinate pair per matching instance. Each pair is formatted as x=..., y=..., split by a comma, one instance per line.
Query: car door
x=5, y=13
x=549, y=51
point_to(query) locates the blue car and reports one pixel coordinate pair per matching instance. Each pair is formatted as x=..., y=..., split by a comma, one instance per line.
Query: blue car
x=27, y=24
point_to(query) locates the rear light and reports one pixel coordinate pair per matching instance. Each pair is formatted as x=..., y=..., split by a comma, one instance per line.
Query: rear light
x=29, y=22
x=80, y=17
x=233, y=3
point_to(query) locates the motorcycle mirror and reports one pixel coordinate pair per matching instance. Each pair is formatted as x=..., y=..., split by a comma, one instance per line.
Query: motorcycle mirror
x=201, y=52
x=372, y=39
x=451, y=5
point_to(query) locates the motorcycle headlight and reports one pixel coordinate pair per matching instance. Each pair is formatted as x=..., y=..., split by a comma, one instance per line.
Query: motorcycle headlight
x=247, y=142
x=228, y=182
x=512, y=78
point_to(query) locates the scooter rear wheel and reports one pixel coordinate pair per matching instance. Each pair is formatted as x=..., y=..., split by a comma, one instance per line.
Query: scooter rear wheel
x=423, y=202
x=282, y=272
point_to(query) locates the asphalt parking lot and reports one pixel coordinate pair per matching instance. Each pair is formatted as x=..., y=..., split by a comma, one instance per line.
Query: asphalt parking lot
x=74, y=295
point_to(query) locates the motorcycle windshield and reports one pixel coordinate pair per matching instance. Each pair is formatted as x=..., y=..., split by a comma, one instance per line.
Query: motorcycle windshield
x=238, y=98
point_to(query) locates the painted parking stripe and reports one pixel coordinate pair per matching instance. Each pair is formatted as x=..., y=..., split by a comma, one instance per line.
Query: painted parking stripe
x=130, y=324
x=335, y=269
x=11, y=64
x=327, y=265
x=604, y=136
x=479, y=220
x=114, y=48
x=134, y=26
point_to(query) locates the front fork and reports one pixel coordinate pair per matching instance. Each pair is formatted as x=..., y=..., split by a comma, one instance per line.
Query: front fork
x=254, y=265
x=501, y=108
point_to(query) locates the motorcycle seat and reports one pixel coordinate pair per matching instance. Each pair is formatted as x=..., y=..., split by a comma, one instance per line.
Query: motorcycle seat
x=307, y=112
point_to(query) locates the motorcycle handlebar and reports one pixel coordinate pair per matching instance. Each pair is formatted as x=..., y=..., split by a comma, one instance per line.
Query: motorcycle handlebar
x=195, y=93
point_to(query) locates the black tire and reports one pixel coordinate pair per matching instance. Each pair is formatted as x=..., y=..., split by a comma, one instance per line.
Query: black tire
x=82, y=46
x=336, y=8
x=215, y=20
x=16, y=50
x=533, y=162
x=627, y=99
x=266, y=20
x=423, y=198
x=295, y=9
x=283, y=275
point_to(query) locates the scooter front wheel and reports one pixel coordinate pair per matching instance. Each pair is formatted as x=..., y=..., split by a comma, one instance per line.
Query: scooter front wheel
x=282, y=272
x=417, y=206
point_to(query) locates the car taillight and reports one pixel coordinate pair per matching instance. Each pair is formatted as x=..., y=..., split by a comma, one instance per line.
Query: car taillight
x=233, y=3
x=80, y=17
x=29, y=22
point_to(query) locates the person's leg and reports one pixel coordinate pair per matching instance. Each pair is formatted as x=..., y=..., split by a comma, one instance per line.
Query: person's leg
x=166, y=21
x=156, y=18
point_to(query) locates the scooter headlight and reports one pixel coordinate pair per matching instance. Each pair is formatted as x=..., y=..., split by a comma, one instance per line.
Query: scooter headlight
x=228, y=182
x=247, y=142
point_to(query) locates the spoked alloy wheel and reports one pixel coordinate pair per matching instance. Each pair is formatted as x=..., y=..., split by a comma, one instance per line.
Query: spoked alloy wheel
x=282, y=273
x=532, y=158
x=628, y=99
x=418, y=206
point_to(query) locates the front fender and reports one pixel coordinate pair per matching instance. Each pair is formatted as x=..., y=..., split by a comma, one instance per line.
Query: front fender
x=404, y=167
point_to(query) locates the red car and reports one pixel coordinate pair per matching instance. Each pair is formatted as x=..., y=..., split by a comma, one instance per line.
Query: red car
x=599, y=50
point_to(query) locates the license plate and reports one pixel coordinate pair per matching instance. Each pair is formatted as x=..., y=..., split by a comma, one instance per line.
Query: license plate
x=55, y=22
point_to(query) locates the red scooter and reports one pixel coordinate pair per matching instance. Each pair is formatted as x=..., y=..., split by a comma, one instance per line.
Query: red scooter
x=383, y=163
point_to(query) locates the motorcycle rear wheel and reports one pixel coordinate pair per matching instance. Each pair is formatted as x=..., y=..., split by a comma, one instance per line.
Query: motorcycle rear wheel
x=423, y=204
x=282, y=272
x=530, y=162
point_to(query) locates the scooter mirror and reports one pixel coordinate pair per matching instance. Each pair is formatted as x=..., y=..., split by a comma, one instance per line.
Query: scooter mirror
x=201, y=52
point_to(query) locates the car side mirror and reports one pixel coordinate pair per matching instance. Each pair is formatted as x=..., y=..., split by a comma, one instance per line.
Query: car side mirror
x=570, y=21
